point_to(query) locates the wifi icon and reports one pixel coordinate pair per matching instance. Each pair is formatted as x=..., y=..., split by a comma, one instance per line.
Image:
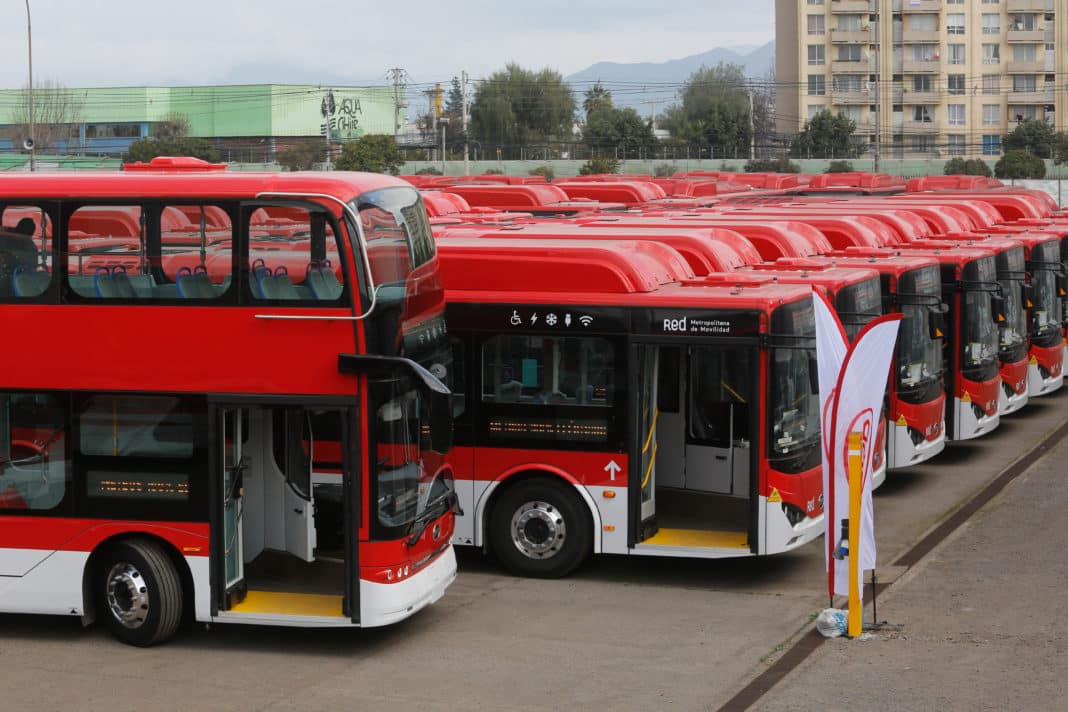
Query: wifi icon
x=585, y=319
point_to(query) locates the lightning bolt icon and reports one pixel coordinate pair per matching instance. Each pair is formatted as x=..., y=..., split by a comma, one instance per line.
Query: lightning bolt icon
x=534, y=318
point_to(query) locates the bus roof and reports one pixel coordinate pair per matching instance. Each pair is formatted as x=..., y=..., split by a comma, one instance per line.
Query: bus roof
x=558, y=266
x=141, y=185
x=893, y=265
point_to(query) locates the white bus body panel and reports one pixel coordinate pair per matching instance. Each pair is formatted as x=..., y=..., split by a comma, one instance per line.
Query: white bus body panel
x=901, y=452
x=1039, y=386
x=1010, y=404
x=52, y=587
x=968, y=426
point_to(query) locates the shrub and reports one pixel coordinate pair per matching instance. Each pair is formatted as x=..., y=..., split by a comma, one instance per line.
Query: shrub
x=772, y=165
x=839, y=167
x=663, y=170
x=596, y=166
x=545, y=172
x=429, y=171
x=1020, y=164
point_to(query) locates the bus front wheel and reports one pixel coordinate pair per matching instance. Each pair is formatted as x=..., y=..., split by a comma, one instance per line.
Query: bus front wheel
x=140, y=592
x=540, y=528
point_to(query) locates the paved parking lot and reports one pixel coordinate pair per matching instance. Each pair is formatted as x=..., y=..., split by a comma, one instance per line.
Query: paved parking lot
x=620, y=634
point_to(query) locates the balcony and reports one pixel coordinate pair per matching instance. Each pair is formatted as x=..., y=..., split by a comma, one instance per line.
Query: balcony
x=857, y=66
x=919, y=127
x=851, y=98
x=1026, y=36
x=1025, y=67
x=853, y=6
x=850, y=37
x=920, y=36
x=1026, y=5
x=910, y=96
x=921, y=66
x=912, y=6
x=1031, y=97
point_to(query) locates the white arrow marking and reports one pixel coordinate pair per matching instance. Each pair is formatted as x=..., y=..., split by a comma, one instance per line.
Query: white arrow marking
x=612, y=468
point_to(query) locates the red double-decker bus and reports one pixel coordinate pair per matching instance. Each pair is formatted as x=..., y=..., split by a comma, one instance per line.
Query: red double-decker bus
x=608, y=411
x=222, y=400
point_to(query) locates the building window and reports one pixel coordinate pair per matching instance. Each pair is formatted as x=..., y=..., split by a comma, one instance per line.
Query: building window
x=956, y=144
x=814, y=109
x=112, y=130
x=817, y=85
x=955, y=84
x=991, y=2
x=956, y=53
x=848, y=53
x=955, y=24
x=923, y=114
x=815, y=2
x=923, y=23
x=991, y=24
x=848, y=83
x=817, y=55
x=992, y=145
x=1025, y=53
x=1026, y=22
x=922, y=83
x=816, y=25
x=849, y=23
x=1024, y=83
x=991, y=83
x=924, y=52
x=991, y=115
x=991, y=54
x=956, y=114
x=1023, y=113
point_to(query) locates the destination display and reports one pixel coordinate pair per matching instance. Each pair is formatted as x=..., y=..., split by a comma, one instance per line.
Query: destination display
x=129, y=485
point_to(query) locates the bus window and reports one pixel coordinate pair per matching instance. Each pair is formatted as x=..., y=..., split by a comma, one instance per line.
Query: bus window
x=293, y=255
x=196, y=242
x=720, y=392
x=547, y=370
x=33, y=463
x=107, y=255
x=135, y=426
x=25, y=252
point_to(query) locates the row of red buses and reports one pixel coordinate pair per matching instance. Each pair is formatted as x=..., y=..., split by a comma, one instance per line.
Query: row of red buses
x=610, y=410
x=163, y=401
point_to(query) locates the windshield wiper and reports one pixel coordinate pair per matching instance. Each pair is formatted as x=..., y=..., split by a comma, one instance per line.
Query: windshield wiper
x=448, y=502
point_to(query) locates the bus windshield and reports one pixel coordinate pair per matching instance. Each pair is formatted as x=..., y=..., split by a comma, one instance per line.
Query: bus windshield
x=858, y=304
x=919, y=356
x=979, y=332
x=794, y=399
x=1044, y=262
x=1013, y=329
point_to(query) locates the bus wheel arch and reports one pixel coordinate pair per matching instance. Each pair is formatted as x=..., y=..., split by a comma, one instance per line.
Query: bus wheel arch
x=539, y=525
x=160, y=575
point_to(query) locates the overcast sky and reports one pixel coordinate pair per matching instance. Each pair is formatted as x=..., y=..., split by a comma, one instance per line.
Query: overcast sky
x=147, y=42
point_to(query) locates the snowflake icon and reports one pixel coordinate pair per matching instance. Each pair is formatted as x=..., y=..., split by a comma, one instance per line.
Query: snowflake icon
x=550, y=319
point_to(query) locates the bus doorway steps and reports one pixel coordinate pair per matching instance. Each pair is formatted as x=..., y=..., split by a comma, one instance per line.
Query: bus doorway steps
x=279, y=572
x=702, y=511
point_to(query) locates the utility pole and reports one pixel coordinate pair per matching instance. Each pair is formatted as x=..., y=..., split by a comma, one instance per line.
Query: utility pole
x=29, y=91
x=463, y=115
x=399, y=77
x=752, y=130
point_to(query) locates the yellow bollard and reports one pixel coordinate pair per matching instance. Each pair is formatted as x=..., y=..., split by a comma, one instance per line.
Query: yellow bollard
x=856, y=489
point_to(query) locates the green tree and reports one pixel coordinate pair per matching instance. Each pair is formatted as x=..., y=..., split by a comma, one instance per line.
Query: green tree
x=302, y=156
x=597, y=98
x=597, y=166
x=1020, y=164
x=714, y=111
x=148, y=148
x=1060, y=148
x=373, y=153
x=618, y=132
x=969, y=167
x=825, y=135
x=772, y=165
x=1034, y=136
x=516, y=106
x=839, y=167
x=663, y=170
x=545, y=172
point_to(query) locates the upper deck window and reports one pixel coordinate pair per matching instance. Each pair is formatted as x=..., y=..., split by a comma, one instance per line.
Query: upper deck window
x=25, y=252
x=293, y=255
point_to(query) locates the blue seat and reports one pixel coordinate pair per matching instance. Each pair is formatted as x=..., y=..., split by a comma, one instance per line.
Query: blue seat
x=30, y=282
x=322, y=281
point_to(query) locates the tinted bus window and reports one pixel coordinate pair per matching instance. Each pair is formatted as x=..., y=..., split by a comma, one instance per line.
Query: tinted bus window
x=25, y=252
x=547, y=370
x=293, y=255
x=33, y=464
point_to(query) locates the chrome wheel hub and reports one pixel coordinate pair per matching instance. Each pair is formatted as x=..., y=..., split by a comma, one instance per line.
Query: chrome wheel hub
x=127, y=595
x=538, y=530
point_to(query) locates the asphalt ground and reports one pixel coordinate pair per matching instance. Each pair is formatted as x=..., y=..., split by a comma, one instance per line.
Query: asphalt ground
x=623, y=633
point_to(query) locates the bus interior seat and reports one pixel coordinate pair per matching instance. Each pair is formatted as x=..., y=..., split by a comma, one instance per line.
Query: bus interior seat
x=278, y=286
x=29, y=282
x=322, y=281
x=113, y=283
x=194, y=283
x=510, y=392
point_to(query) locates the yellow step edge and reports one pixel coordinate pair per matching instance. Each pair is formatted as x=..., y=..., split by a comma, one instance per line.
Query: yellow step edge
x=699, y=538
x=290, y=604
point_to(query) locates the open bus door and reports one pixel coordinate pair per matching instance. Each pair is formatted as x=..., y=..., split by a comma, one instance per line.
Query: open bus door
x=269, y=563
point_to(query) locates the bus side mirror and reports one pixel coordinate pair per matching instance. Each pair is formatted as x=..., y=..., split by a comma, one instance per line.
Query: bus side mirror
x=937, y=321
x=441, y=409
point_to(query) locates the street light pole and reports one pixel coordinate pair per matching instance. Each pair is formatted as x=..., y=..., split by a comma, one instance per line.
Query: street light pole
x=444, y=122
x=29, y=93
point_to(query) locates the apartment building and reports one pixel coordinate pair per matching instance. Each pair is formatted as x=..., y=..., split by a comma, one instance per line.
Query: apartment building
x=928, y=77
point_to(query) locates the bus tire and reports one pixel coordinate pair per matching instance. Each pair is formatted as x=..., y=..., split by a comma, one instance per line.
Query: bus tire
x=540, y=528
x=140, y=592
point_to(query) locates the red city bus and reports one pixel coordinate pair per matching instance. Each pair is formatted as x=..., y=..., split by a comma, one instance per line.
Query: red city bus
x=608, y=412
x=162, y=457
